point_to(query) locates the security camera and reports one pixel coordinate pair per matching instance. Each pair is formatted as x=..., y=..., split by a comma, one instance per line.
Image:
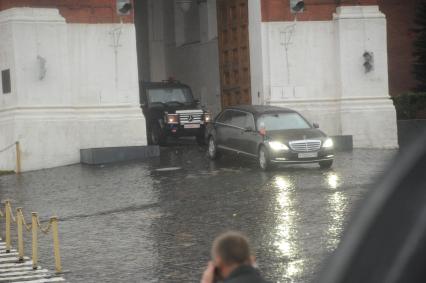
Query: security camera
x=297, y=6
x=124, y=7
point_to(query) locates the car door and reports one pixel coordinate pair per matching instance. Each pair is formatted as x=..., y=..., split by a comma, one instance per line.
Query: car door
x=244, y=139
x=223, y=129
x=237, y=128
x=250, y=137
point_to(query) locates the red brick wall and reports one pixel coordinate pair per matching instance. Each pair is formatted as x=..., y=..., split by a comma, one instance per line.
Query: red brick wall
x=75, y=11
x=315, y=10
x=400, y=16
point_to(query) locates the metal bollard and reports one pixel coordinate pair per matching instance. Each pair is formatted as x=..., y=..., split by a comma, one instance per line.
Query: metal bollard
x=18, y=157
x=8, y=219
x=34, y=228
x=20, y=221
x=58, y=266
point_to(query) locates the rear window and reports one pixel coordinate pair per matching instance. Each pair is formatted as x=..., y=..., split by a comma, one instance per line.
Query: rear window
x=282, y=121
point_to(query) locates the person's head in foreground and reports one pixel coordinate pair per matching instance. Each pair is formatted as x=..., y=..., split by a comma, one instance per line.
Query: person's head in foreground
x=232, y=261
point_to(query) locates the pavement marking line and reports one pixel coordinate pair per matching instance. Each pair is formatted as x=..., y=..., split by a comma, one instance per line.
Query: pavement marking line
x=13, y=271
x=56, y=279
x=8, y=260
x=35, y=276
x=17, y=273
x=16, y=264
x=9, y=254
x=22, y=268
x=4, y=252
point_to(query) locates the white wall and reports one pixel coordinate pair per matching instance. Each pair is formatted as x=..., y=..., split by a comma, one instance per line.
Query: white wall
x=88, y=98
x=201, y=71
x=256, y=58
x=317, y=68
x=9, y=100
x=303, y=76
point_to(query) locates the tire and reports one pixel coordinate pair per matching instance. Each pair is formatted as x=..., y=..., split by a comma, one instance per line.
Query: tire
x=263, y=159
x=212, y=149
x=156, y=136
x=200, y=139
x=326, y=164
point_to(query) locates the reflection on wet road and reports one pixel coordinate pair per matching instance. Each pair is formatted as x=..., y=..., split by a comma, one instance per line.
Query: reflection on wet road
x=154, y=221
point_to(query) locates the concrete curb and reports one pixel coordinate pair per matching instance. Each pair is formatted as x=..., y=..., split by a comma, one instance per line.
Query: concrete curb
x=97, y=156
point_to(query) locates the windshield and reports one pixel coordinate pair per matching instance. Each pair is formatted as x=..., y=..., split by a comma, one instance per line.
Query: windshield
x=282, y=121
x=166, y=95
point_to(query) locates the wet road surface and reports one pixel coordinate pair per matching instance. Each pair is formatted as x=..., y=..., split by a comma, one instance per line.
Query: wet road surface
x=154, y=221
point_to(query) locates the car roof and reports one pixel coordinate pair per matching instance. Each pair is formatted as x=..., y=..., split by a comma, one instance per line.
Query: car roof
x=261, y=109
x=165, y=84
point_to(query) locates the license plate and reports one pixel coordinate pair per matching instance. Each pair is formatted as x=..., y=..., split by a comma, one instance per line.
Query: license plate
x=308, y=155
x=191, y=126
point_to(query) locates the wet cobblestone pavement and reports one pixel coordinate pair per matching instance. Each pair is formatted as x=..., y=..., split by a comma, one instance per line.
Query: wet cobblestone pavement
x=149, y=222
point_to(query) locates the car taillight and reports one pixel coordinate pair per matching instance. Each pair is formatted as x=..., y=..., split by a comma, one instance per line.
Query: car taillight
x=172, y=119
x=207, y=117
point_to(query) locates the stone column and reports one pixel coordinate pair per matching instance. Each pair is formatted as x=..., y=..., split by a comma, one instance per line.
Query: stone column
x=367, y=112
x=74, y=86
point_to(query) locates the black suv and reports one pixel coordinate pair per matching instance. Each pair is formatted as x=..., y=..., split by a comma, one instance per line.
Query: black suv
x=171, y=110
x=270, y=134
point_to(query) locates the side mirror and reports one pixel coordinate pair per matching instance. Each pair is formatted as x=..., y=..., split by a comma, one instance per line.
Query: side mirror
x=197, y=101
x=316, y=125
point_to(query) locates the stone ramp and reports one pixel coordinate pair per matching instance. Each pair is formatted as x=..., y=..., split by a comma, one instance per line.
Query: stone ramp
x=13, y=271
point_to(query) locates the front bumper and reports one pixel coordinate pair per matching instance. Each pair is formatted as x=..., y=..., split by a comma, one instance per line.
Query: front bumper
x=292, y=157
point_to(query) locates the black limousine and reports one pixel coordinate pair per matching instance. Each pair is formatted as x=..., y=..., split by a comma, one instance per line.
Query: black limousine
x=270, y=134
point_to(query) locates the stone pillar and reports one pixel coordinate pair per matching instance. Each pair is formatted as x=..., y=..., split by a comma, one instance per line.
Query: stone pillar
x=74, y=86
x=367, y=112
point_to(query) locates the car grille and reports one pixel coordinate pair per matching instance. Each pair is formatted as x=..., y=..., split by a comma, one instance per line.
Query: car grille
x=186, y=118
x=305, y=145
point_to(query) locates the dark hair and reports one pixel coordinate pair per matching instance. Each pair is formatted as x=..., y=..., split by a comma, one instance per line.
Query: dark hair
x=232, y=248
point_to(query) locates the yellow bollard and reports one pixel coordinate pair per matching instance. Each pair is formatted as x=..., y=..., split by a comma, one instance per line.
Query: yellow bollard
x=18, y=157
x=58, y=266
x=19, y=220
x=34, y=231
x=8, y=219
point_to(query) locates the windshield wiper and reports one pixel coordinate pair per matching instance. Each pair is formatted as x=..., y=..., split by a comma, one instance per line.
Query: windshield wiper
x=177, y=102
x=159, y=102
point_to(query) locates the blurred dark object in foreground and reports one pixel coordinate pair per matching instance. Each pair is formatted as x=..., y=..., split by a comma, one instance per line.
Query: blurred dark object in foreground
x=409, y=131
x=386, y=239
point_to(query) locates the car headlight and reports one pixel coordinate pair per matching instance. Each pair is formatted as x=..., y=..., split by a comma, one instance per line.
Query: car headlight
x=172, y=119
x=328, y=143
x=208, y=117
x=278, y=146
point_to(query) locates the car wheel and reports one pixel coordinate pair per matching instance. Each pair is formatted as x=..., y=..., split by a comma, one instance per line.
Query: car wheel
x=157, y=137
x=326, y=164
x=212, y=149
x=263, y=159
x=200, y=139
